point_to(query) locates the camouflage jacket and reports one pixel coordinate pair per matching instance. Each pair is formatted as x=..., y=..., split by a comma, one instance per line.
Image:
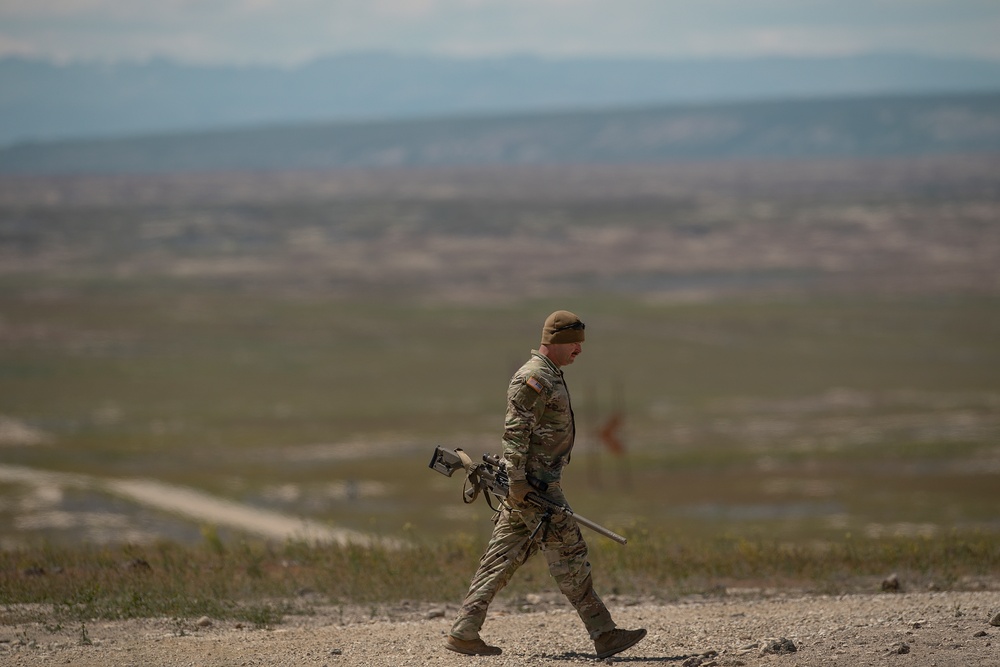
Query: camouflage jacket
x=539, y=427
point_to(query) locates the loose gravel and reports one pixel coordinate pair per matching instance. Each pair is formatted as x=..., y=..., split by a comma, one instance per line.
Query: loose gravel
x=927, y=629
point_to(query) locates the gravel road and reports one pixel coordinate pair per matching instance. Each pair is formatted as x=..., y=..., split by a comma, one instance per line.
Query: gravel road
x=929, y=629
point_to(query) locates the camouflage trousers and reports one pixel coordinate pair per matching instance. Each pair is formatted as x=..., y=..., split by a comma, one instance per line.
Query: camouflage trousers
x=510, y=546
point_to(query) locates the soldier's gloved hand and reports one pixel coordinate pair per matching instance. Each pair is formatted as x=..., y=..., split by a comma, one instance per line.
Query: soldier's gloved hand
x=518, y=493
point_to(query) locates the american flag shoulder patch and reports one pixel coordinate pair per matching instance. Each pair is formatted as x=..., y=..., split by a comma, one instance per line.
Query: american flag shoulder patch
x=533, y=382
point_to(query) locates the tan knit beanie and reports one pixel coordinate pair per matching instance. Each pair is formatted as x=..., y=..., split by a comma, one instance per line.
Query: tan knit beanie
x=562, y=326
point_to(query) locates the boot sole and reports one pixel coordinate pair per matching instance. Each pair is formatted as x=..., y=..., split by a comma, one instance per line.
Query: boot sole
x=458, y=650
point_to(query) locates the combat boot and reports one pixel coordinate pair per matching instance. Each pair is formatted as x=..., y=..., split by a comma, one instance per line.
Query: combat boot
x=470, y=646
x=617, y=641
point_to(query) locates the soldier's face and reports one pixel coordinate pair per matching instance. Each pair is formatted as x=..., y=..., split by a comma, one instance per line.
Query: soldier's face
x=563, y=354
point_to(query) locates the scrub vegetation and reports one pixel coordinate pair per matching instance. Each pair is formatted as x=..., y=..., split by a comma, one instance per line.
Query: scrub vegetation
x=803, y=355
x=261, y=583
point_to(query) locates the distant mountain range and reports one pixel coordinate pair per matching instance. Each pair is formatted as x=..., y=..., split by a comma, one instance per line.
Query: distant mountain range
x=42, y=101
x=871, y=126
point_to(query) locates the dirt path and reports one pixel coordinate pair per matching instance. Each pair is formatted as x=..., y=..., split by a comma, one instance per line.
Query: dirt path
x=192, y=504
x=909, y=629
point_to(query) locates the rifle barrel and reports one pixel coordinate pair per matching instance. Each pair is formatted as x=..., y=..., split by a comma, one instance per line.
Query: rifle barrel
x=583, y=521
x=598, y=528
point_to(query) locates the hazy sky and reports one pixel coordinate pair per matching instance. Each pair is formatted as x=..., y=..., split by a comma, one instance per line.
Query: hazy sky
x=294, y=31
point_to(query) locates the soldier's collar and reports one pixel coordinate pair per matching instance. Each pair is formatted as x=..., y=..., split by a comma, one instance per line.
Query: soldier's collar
x=548, y=362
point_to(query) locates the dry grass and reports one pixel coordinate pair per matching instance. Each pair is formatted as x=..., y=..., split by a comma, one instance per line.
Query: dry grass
x=260, y=583
x=802, y=351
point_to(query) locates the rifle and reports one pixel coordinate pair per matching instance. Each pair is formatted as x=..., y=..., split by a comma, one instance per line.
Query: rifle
x=490, y=479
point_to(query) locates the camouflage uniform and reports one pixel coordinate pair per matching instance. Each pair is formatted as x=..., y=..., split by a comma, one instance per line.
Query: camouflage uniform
x=537, y=441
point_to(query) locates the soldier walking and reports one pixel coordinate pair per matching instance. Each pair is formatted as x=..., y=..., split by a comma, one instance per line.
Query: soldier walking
x=537, y=441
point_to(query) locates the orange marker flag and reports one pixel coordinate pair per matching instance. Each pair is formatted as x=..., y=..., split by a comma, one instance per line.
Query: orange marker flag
x=609, y=434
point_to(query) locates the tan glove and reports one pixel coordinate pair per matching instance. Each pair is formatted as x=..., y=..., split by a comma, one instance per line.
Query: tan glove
x=518, y=493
